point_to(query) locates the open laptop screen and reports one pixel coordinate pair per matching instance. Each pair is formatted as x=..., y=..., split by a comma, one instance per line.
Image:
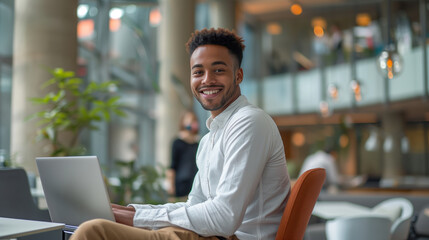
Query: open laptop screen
x=74, y=189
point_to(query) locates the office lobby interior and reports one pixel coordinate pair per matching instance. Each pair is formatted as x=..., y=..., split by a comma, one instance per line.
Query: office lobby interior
x=351, y=75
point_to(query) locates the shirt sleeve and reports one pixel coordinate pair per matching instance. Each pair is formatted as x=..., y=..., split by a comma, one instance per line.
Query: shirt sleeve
x=245, y=145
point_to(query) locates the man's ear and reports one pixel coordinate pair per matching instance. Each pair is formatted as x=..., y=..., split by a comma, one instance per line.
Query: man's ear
x=239, y=76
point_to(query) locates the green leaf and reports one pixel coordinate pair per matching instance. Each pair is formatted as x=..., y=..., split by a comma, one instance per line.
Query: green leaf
x=58, y=96
x=106, y=115
x=99, y=102
x=97, y=118
x=74, y=82
x=83, y=111
x=119, y=112
x=49, y=82
x=37, y=100
x=92, y=86
x=68, y=74
x=60, y=73
x=47, y=98
x=113, y=100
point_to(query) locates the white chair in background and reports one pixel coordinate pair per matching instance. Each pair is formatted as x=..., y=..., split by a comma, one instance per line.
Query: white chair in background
x=400, y=212
x=368, y=227
x=421, y=226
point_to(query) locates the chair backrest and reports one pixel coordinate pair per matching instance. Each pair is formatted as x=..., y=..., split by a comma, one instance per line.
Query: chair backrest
x=300, y=204
x=15, y=196
x=401, y=225
x=421, y=225
x=359, y=227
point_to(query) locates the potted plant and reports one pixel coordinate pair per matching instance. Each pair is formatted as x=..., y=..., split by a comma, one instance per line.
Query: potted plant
x=72, y=107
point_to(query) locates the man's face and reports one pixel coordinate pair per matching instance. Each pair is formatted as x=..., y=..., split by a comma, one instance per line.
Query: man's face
x=215, y=77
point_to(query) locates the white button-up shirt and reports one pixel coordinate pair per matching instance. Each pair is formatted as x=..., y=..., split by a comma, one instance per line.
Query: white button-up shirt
x=242, y=183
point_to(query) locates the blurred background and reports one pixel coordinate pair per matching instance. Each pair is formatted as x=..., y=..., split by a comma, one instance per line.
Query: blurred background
x=349, y=73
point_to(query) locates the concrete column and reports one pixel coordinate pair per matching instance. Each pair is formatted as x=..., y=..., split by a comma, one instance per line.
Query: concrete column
x=393, y=129
x=44, y=38
x=223, y=14
x=177, y=24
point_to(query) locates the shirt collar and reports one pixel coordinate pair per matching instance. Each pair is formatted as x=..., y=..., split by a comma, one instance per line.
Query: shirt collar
x=212, y=123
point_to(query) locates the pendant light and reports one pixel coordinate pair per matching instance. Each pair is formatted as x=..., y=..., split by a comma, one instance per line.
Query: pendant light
x=389, y=61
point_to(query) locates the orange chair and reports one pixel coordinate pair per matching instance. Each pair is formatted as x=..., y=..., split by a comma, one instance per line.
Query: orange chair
x=299, y=207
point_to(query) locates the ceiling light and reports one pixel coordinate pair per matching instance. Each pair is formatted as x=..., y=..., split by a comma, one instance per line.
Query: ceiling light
x=155, y=17
x=357, y=90
x=319, y=24
x=85, y=28
x=116, y=13
x=390, y=62
x=296, y=9
x=363, y=19
x=82, y=10
x=325, y=111
x=318, y=31
x=343, y=141
x=333, y=91
x=274, y=28
x=298, y=139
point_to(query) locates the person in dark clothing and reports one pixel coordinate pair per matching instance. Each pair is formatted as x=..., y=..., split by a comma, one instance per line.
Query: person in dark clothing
x=183, y=163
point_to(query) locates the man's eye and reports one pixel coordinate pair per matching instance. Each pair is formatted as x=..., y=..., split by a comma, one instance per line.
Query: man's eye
x=197, y=72
x=219, y=70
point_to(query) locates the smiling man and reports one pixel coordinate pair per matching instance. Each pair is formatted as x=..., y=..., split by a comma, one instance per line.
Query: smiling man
x=242, y=185
x=215, y=77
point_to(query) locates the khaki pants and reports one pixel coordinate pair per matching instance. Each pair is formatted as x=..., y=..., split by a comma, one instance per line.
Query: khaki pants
x=100, y=229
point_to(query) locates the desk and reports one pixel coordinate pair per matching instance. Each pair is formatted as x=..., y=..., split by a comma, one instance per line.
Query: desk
x=13, y=228
x=333, y=209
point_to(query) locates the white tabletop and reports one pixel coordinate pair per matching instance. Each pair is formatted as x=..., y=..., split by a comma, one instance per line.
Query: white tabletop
x=13, y=228
x=334, y=209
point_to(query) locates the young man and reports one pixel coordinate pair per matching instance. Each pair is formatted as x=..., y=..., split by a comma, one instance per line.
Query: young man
x=242, y=183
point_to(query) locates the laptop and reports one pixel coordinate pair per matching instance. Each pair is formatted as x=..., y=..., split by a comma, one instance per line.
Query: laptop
x=74, y=189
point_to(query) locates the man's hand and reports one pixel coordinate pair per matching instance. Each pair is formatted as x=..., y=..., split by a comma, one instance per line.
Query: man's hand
x=124, y=215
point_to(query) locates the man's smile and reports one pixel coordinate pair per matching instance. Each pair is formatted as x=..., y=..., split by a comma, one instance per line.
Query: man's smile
x=210, y=92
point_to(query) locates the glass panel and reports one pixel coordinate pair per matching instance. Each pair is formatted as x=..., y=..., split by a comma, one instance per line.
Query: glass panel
x=120, y=43
x=6, y=47
x=278, y=94
x=414, y=149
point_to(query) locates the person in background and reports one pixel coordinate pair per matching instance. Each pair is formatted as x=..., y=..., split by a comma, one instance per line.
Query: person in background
x=183, y=156
x=324, y=159
x=336, y=44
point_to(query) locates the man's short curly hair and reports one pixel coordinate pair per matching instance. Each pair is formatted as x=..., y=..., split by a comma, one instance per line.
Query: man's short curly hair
x=220, y=36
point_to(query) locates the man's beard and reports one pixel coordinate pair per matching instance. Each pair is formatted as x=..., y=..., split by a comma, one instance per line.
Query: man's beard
x=224, y=100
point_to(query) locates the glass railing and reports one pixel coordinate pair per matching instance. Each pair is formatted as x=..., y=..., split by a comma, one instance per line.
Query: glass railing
x=278, y=91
